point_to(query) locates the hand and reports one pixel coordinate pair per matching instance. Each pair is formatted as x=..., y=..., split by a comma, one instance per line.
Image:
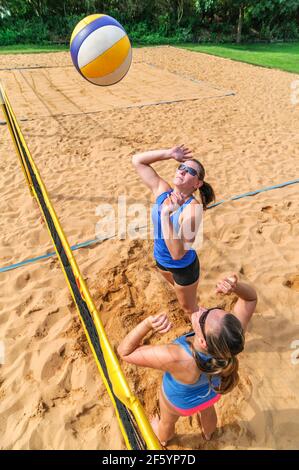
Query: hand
x=172, y=203
x=159, y=323
x=180, y=153
x=227, y=285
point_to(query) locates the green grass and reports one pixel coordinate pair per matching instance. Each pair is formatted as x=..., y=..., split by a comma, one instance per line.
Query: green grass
x=32, y=48
x=283, y=56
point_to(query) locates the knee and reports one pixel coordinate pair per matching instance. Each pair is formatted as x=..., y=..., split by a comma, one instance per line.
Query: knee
x=187, y=306
x=187, y=309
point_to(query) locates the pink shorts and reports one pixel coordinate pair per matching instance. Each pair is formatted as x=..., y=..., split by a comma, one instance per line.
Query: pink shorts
x=196, y=409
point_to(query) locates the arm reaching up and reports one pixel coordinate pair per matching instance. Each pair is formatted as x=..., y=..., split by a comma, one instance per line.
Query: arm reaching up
x=247, y=300
x=142, y=163
x=160, y=357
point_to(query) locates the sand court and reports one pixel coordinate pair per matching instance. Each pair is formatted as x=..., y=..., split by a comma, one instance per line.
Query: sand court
x=41, y=92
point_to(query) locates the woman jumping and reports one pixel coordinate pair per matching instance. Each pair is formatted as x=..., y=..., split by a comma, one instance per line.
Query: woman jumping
x=200, y=366
x=176, y=216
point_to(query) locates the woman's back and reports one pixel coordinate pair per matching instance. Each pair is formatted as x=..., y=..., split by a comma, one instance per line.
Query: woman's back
x=188, y=387
x=161, y=252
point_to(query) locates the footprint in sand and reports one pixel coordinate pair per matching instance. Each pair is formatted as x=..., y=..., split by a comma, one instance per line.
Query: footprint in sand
x=22, y=280
x=50, y=360
x=266, y=209
x=292, y=281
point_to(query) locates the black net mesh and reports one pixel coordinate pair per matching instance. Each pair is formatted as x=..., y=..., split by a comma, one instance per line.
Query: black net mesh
x=133, y=434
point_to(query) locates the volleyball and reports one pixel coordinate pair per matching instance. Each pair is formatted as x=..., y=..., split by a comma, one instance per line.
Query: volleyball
x=101, y=50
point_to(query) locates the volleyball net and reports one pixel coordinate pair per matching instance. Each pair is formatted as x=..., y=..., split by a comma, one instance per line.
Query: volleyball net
x=134, y=425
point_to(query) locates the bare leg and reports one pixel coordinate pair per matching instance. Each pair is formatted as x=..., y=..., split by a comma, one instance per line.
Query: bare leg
x=164, y=428
x=208, y=419
x=187, y=297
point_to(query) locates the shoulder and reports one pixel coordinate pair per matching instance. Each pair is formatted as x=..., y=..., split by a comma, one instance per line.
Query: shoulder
x=177, y=354
x=161, y=195
x=162, y=187
x=181, y=353
x=195, y=204
x=172, y=358
x=193, y=210
x=180, y=361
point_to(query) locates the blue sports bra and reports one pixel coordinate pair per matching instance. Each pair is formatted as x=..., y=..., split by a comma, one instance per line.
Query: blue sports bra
x=161, y=252
x=186, y=396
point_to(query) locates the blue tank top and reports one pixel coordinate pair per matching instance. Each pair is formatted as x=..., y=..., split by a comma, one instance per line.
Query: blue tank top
x=161, y=252
x=186, y=396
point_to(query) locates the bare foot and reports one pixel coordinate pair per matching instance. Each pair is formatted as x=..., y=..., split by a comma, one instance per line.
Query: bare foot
x=155, y=425
x=207, y=437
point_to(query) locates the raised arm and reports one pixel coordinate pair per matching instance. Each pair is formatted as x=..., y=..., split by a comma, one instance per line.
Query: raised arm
x=179, y=243
x=142, y=163
x=246, y=303
x=157, y=357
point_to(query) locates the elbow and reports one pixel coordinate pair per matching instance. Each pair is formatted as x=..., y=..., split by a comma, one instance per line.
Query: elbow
x=253, y=296
x=179, y=250
x=121, y=352
x=177, y=255
x=135, y=160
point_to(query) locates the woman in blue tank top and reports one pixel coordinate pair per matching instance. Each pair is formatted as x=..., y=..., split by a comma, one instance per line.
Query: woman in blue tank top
x=198, y=367
x=176, y=217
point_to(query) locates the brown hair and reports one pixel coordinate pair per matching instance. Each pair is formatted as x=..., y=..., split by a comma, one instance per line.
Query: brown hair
x=223, y=347
x=206, y=191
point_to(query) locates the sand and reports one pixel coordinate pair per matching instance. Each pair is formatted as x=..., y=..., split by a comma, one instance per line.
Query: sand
x=241, y=123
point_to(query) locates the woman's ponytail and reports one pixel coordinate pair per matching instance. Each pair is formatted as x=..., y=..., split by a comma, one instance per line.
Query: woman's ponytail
x=206, y=191
x=207, y=194
x=229, y=375
x=223, y=348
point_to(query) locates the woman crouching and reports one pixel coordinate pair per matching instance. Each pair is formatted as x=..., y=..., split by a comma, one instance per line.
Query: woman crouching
x=200, y=366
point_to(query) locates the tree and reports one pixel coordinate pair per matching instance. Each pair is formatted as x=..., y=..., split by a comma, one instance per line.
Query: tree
x=275, y=15
x=237, y=9
x=202, y=18
x=240, y=22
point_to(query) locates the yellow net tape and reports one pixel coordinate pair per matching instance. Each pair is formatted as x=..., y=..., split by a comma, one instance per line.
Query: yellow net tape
x=133, y=422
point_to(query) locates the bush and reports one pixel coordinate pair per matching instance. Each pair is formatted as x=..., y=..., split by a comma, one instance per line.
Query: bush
x=157, y=29
x=22, y=32
x=8, y=36
x=164, y=24
x=286, y=31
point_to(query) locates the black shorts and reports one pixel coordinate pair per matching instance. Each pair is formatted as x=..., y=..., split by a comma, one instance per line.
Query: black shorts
x=184, y=276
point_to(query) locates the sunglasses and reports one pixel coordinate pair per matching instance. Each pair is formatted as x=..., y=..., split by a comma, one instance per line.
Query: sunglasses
x=202, y=320
x=189, y=170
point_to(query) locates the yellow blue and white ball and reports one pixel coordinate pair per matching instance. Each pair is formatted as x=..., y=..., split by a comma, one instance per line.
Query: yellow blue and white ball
x=101, y=50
